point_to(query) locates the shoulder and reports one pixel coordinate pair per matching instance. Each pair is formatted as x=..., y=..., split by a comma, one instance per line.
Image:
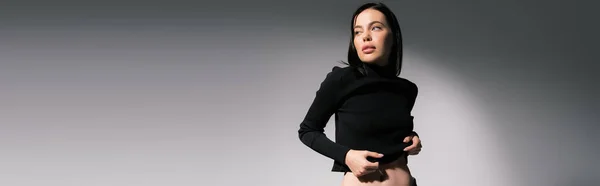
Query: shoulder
x=410, y=85
x=337, y=79
x=343, y=71
x=341, y=75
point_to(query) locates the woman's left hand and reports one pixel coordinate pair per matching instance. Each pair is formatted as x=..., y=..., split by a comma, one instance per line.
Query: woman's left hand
x=416, y=146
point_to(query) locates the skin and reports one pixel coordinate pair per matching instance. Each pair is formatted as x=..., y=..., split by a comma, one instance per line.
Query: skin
x=371, y=29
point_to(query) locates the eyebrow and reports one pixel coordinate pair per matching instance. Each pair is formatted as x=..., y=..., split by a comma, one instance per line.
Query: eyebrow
x=371, y=23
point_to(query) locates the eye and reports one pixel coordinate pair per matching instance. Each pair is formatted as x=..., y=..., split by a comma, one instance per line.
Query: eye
x=376, y=27
x=356, y=32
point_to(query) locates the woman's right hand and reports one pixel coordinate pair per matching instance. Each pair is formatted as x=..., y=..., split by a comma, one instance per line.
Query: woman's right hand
x=357, y=161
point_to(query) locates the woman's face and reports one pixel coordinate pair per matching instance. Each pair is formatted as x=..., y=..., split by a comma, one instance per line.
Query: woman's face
x=372, y=37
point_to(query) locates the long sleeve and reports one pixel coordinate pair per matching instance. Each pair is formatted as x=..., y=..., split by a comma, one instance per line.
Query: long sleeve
x=415, y=133
x=324, y=105
x=412, y=94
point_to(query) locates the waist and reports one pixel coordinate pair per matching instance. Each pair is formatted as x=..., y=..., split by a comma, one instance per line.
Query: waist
x=390, y=145
x=390, y=158
x=391, y=174
x=388, y=161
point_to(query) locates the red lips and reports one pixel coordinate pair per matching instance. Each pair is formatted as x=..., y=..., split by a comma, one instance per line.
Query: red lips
x=367, y=49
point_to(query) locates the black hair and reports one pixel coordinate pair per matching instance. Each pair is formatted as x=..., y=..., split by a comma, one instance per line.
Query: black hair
x=395, y=59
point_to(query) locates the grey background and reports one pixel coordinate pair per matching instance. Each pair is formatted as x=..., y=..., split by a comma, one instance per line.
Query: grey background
x=212, y=93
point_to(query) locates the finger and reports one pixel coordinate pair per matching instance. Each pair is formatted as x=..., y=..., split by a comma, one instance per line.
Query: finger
x=407, y=139
x=416, y=139
x=416, y=142
x=371, y=165
x=358, y=174
x=373, y=154
x=368, y=171
x=365, y=171
x=411, y=147
x=415, y=151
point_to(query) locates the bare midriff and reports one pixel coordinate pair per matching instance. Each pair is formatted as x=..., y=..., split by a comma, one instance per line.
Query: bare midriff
x=395, y=173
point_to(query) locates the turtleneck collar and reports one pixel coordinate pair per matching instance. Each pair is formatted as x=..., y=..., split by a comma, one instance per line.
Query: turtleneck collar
x=373, y=70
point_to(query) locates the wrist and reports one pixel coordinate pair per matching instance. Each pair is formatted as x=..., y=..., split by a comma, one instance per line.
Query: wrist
x=414, y=133
x=346, y=156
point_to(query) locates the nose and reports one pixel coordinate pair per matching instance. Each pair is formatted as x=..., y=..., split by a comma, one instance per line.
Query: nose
x=367, y=37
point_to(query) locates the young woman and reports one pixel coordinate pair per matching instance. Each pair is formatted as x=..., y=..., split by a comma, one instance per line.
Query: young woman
x=372, y=106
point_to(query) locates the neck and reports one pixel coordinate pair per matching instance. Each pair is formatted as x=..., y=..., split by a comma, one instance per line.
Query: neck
x=381, y=63
x=381, y=69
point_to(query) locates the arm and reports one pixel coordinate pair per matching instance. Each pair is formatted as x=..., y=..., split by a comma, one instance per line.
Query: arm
x=311, y=131
x=413, y=137
x=414, y=133
x=414, y=91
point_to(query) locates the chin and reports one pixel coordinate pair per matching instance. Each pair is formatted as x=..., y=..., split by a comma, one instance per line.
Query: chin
x=369, y=59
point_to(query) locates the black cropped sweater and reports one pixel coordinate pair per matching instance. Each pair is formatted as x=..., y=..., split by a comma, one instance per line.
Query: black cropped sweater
x=372, y=112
